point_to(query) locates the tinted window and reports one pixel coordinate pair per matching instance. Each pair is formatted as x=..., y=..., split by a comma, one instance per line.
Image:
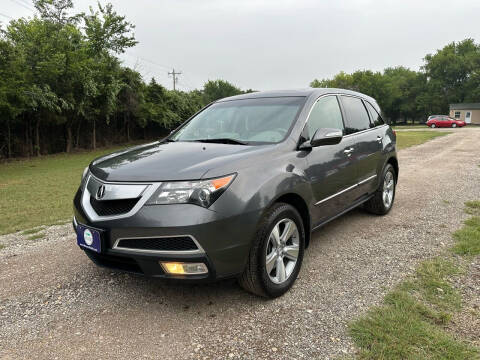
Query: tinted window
x=325, y=114
x=374, y=115
x=257, y=120
x=357, y=116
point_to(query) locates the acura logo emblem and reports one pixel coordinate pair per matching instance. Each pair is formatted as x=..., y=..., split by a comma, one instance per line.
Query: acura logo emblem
x=100, y=192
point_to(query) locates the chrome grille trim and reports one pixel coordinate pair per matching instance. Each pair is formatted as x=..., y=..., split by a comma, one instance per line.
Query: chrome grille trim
x=116, y=191
x=147, y=191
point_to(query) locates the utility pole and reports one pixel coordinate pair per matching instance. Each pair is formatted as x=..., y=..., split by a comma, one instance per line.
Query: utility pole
x=175, y=78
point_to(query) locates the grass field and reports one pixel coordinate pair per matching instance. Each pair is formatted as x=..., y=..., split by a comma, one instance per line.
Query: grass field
x=409, y=138
x=409, y=127
x=40, y=191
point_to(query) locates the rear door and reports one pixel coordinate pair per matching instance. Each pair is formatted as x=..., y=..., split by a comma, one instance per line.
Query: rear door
x=442, y=121
x=329, y=170
x=367, y=144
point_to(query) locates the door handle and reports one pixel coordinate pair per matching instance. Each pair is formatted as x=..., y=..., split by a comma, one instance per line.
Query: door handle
x=348, y=151
x=379, y=138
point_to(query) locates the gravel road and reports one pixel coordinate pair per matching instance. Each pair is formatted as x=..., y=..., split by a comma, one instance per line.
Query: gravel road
x=54, y=303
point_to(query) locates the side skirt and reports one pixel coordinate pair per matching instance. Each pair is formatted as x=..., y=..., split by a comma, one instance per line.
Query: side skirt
x=353, y=206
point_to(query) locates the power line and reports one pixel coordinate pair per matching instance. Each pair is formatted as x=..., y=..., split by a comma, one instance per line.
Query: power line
x=23, y=5
x=150, y=61
x=26, y=2
x=7, y=16
x=186, y=81
x=175, y=78
x=176, y=81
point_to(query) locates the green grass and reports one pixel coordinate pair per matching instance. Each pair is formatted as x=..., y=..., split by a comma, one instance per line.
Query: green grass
x=40, y=191
x=404, y=328
x=410, y=127
x=410, y=324
x=410, y=138
x=31, y=231
x=430, y=284
x=468, y=238
x=472, y=207
x=36, y=237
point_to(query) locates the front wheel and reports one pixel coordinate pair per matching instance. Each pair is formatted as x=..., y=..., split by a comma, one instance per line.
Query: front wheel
x=454, y=125
x=433, y=126
x=276, y=255
x=382, y=200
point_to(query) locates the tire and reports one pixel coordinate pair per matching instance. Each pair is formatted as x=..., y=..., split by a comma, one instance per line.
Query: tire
x=377, y=204
x=255, y=278
x=454, y=125
x=433, y=126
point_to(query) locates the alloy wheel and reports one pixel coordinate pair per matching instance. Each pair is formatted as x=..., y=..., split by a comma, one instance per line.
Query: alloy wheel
x=282, y=251
x=388, y=189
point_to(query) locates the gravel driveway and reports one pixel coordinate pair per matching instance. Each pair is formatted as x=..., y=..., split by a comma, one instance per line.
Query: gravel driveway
x=54, y=303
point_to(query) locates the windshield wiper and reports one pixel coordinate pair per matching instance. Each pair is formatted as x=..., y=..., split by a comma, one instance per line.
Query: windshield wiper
x=223, y=141
x=167, y=140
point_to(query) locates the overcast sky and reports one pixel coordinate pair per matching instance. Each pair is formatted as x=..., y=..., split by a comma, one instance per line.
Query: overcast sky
x=276, y=44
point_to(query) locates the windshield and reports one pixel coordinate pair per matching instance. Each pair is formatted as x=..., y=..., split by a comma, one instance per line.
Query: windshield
x=249, y=121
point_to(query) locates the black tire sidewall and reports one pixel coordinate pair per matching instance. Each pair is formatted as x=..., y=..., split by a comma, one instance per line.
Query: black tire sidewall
x=284, y=211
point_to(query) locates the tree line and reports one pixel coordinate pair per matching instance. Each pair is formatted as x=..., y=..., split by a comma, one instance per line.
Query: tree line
x=63, y=87
x=451, y=75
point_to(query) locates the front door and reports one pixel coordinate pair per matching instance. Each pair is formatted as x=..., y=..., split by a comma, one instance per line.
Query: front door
x=468, y=117
x=330, y=169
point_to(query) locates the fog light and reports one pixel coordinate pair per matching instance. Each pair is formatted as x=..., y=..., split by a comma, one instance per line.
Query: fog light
x=176, y=268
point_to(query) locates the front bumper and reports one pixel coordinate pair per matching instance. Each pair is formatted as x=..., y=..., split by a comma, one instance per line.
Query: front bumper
x=224, y=242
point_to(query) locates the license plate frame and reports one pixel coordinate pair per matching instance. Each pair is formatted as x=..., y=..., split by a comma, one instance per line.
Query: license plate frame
x=89, y=238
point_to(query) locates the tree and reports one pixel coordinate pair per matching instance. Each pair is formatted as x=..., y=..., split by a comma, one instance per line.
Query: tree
x=107, y=33
x=217, y=89
x=453, y=74
x=130, y=98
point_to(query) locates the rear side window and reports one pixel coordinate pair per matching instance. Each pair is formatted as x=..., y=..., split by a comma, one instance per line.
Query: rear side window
x=374, y=115
x=325, y=114
x=357, y=116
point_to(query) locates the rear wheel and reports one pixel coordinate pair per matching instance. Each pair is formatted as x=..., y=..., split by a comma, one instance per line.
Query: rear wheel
x=276, y=255
x=382, y=200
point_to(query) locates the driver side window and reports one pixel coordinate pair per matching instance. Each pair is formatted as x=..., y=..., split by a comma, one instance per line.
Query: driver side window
x=325, y=114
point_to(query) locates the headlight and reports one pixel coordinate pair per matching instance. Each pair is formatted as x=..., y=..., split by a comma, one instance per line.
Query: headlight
x=202, y=192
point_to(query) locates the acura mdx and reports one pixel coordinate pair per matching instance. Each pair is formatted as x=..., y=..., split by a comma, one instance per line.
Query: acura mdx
x=238, y=188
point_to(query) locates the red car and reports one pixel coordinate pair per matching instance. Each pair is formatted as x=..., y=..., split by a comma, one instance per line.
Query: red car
x=444, y=121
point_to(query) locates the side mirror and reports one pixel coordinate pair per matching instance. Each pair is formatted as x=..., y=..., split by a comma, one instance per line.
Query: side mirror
x=326, y=137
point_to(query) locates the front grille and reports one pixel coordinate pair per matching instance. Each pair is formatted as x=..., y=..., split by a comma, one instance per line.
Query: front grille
x=175, y=243
x=112, y=207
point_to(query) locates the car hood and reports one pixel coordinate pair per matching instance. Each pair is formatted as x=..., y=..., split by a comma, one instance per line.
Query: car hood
x=171, y=161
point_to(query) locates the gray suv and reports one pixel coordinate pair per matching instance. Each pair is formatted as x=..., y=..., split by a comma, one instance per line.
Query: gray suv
x=237, y=189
